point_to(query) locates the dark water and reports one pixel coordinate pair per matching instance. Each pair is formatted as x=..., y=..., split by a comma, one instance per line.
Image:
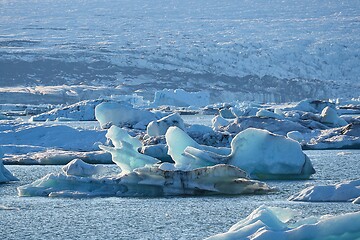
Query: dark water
x=157, y=218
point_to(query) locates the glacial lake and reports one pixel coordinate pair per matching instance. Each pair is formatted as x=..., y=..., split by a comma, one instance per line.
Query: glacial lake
x=158, y=218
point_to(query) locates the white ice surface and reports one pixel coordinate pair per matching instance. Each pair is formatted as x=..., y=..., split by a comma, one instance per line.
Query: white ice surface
x=77, y=167
x=122, y=114
x=269, y=223
x=148, y=182
x=159, y=127
x=260, y=153
x=181, y=98
x=346, y=191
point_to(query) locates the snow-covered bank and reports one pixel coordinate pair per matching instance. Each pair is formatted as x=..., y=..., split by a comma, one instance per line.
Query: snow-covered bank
x=269, y=223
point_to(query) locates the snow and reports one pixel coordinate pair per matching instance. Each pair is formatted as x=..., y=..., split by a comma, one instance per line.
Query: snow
x=148, y=182
x=181, y=98
x=346, y=191
x=5, y=175
x=77, y=167
x=268, y=223
x=159, y=127
x=122, y=114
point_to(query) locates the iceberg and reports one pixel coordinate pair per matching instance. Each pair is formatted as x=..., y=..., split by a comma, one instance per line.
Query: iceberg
x=159, y=127
x=148, y=182
x=181, y=98
x=346, y=191
x=5, y=175
x=125, y=152
x=77, y=167
x=347, y=137
x=81, y=111
x=330, y=117
x=260, y=153
x=19, y=138
x=269, y=223
x=57, y=157
x=122, y=115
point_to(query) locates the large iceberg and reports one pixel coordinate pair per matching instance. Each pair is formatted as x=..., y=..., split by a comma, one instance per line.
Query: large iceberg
x=346, y=191
x=148, y=182
x=5, y=175
x=260, y=153
x=269, y=223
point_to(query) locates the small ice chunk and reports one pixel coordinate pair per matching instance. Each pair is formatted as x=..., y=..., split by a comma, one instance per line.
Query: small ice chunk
x=295, y=135
x=159, y=127
x=77, y=167
x=218, y=122
x=330, y=117
x=268, y=114
x=125, y=153
x=5, y=175
x=341, y=192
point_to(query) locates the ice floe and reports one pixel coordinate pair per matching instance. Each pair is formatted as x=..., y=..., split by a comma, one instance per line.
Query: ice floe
x=269, y=223
x=346, y=191
x=148, y=182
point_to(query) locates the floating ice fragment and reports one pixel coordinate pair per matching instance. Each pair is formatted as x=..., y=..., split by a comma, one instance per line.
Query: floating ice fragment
x=260, y=153
x=79, y=168
x=266, y=223
x=330, y=117
x=122, y=114
x=125, y=153
x=345, y=191
x=149, y=181
x=159, y=127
